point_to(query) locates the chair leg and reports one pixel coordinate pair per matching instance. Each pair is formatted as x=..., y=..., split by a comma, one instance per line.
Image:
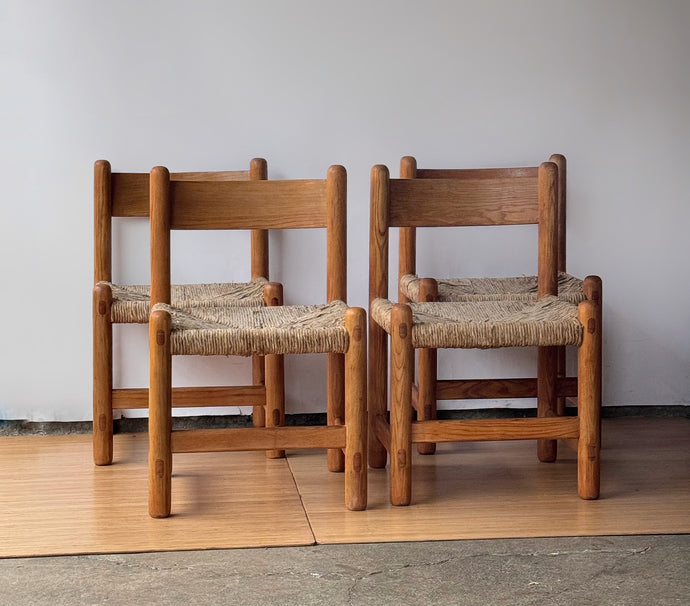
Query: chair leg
x=376, y=390
x=102, y=376
x=402, y=368
x=547, y=374
x=336, y=405
x=274, y=368
x=426, y=371
x=275, y=397
x=426, y=394
x=356, y=410
x=589, y=401
x=258, y=378
x=160, y=415
x=560, y=402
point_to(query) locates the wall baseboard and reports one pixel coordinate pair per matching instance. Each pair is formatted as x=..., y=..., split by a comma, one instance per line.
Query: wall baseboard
x=31, y=428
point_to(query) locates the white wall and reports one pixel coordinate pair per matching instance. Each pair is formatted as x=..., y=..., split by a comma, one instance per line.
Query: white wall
x=208, y=85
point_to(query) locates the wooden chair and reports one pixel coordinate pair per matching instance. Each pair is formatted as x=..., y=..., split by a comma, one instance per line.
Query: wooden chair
x=270, y=331
x=546, y=322
x=127, y=195
x=414, y=288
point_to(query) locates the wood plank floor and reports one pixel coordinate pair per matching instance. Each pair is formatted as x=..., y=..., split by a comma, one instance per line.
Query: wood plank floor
x=53, y=501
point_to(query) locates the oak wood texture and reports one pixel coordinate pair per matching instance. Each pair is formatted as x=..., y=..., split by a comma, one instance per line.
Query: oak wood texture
x=128, y=195
x=448, y=202
x=469, y=490
x=190, y=397
x=450, y=389
x=249, y=205
x=259, y=205
x=378, y=287
x=502, y=197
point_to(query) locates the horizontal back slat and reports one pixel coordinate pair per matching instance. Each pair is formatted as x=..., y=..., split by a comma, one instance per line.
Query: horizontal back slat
x=477, y=173
x=454, y=202
x=224, y=175
x=130, y=193
x=248, y=204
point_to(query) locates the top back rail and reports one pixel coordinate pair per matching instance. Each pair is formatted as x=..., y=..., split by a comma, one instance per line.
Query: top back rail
x=130, y=191
x=449, y=202
x=248, y=204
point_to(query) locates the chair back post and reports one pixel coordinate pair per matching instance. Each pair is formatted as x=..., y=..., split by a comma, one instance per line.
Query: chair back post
x=559, y=161
x=102, y=216
x=378, y=234
x=547, y=278
x=336, y=234
x=408, y=235
x=160, y=235
x=258, y=171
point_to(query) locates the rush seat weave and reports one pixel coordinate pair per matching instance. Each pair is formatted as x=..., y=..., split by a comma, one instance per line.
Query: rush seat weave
x=521, y=288
x=487, y=324
x=131, y=303
x=243, y=331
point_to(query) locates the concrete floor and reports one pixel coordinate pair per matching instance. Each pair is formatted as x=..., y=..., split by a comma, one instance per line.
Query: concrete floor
x=615, y=571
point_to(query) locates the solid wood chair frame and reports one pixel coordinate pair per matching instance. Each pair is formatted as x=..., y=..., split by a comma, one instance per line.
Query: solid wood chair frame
x=429, y=389
x=258, y=205
x=127, y=195
x=490, y=200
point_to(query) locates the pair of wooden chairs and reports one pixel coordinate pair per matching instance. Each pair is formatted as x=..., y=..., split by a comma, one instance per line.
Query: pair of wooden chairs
x=431, y=315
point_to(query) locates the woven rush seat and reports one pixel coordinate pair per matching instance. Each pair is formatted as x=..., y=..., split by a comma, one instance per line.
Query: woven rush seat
x=243, y=331
x=131, y=303
x=522, y=288
x=487, y=324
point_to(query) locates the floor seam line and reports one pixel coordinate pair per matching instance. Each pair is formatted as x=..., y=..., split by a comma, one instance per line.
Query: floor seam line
x=301, y=500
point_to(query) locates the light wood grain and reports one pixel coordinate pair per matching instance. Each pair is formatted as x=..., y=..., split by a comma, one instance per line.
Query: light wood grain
x=468, y=490
x=221, y=500
x=499, y=490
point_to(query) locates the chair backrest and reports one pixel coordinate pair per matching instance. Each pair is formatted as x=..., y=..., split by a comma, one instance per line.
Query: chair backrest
x=260, y=205
x=409, y=170
x=127, y=195
x=462, y=198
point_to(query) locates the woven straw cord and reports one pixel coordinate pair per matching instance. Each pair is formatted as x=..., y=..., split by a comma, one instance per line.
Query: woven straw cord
x=131, y=303
x=522, y=288
x=243, y=331
x=488, y=324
